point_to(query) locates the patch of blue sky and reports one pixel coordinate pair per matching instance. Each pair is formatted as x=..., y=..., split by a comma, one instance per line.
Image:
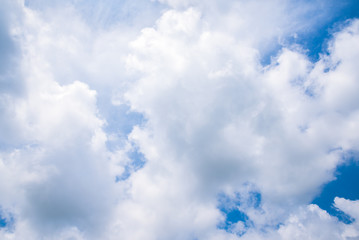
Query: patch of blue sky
x=255, y=199
x=125, y=175
x=345, y=185
x=119, y=123
x=233, y=218
x=327, y=18
x=137, y=162
x=138, y=159
x=6, y=221
x=316, y=40
x=231, y=207
x=120, y=120
x=2, y=222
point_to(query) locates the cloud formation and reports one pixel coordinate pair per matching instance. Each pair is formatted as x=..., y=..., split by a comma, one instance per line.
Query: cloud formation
x=165, y=121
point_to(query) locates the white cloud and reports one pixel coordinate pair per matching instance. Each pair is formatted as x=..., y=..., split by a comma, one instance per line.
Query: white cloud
x=217, y=122
x=347, y=206
x=61, y=177
x=56, y=171
x=248, y=124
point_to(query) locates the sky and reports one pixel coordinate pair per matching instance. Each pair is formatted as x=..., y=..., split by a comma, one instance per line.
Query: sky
x=179, y=119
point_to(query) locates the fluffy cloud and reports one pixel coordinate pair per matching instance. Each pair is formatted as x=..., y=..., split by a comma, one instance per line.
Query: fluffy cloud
x=55, y=168
x=214, y=121
x=213, y=109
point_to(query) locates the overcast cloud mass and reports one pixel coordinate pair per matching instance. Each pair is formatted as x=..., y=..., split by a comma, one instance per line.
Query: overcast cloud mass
x=177, y=119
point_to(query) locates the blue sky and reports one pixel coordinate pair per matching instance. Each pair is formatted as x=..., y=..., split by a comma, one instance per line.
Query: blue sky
x=344, y=185
x=179, y=119
x=316, y=40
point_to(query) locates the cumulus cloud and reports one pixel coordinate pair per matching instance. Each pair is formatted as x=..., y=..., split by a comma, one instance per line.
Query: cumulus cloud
x=216, y=111
x=134, y=123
